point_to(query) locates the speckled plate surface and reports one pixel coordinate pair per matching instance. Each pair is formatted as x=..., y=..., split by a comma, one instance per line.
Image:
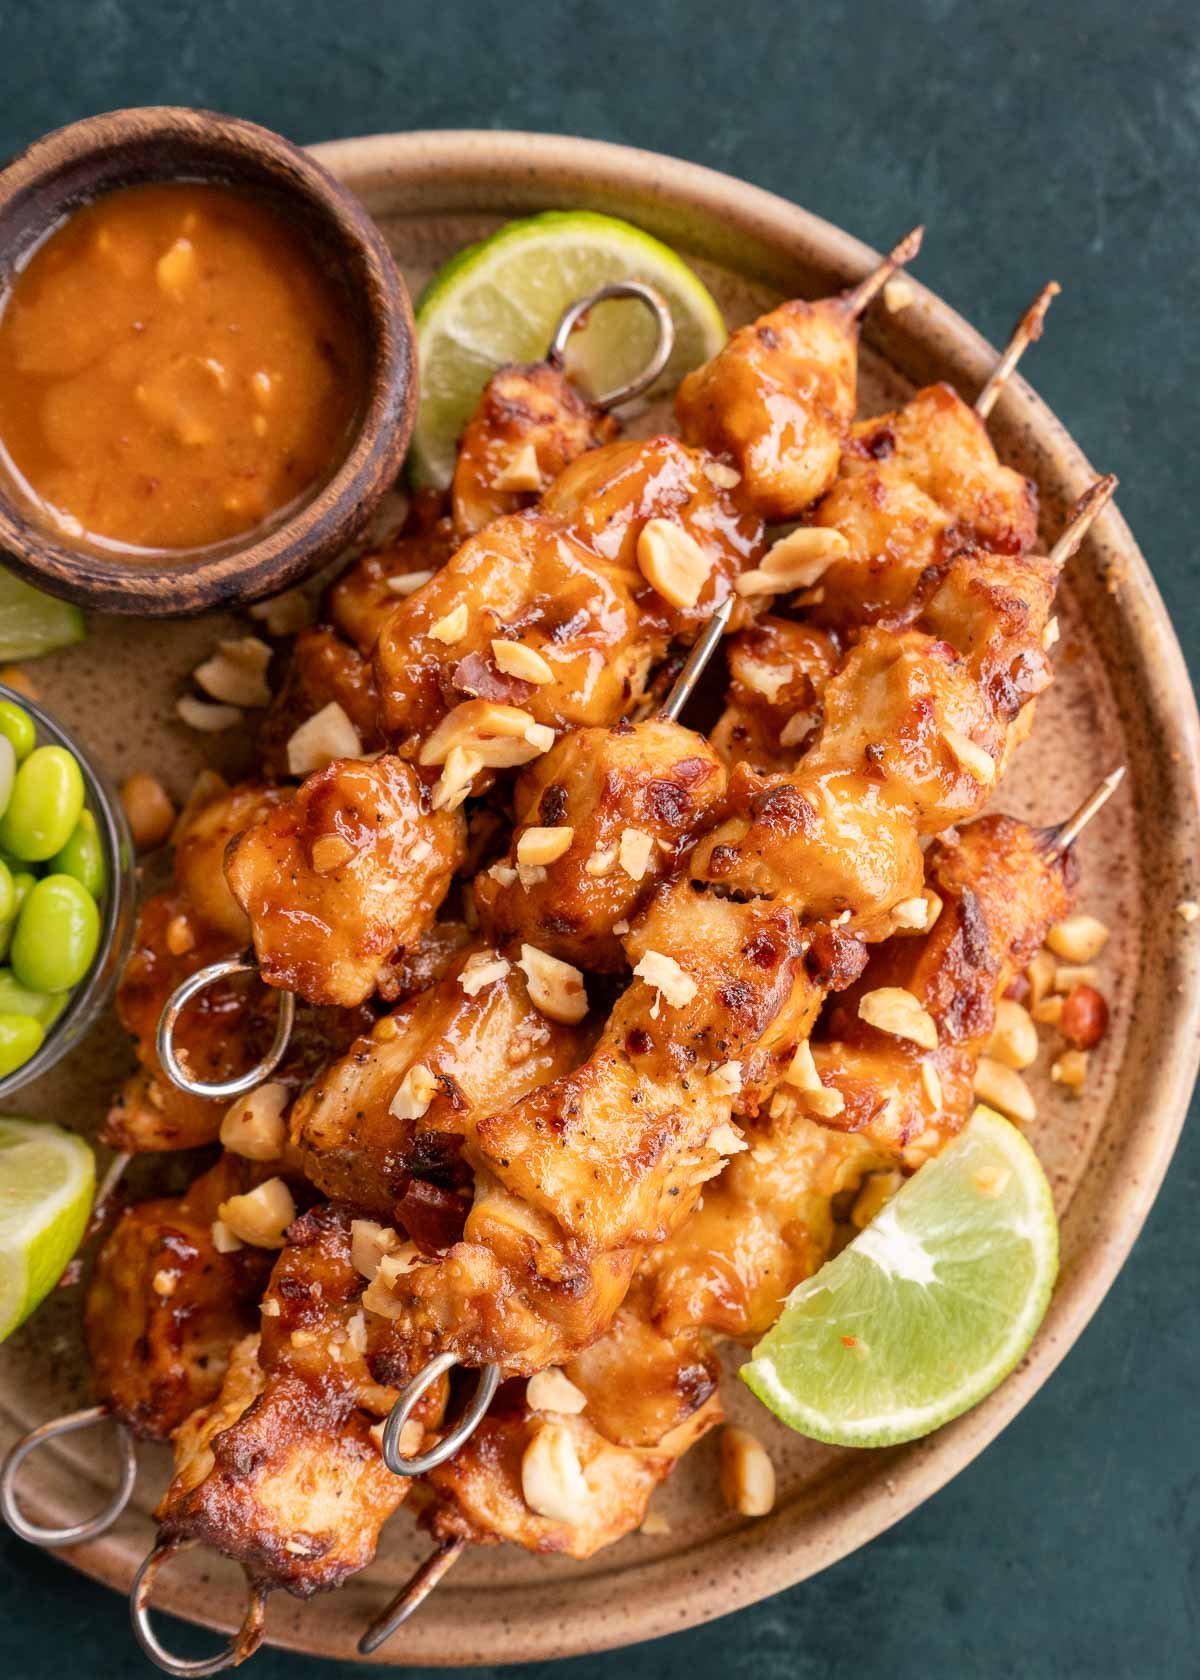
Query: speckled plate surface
x=1122, y=695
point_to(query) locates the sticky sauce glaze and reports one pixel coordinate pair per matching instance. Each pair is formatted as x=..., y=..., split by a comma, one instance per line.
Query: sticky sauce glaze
x=176, y=366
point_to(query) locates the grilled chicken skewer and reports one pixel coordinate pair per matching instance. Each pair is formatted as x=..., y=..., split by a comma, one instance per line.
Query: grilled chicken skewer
x=767, y=1223
x=544, y=620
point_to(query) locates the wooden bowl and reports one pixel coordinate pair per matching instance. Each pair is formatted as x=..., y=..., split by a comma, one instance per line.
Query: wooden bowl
x=160, y=143
x=1121, y=695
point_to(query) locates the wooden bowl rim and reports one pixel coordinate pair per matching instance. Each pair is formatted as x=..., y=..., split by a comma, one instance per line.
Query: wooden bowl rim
x=522, y=171
x=238, y=571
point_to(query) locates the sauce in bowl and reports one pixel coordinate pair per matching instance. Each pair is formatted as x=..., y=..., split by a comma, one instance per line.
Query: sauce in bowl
x=177, y=365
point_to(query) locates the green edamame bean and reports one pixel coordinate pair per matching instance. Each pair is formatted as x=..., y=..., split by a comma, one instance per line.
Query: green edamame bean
x=22, y=882
x=20, y=1037
x=82, y=856
x=8, y=771
x=19, y=728
x=8, y=894
x=47, y=798
x=56, y=937
x=15, y=999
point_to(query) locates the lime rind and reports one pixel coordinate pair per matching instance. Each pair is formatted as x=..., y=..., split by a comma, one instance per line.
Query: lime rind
x=928, y=1310
x=31, y=623
x=47, y=1183
x=499, y=301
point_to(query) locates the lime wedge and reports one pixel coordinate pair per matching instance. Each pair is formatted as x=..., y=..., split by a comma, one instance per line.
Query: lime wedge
x=925, y=1312
x=32, y=623
x=47, y=1181
x=500, y=301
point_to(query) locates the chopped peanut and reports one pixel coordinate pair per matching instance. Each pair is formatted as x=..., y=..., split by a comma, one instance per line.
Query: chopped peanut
x=720, y=476
x=552, y=1479
x=224, y=1241
x=481, y=970
x=254, y=1126
x=1067, y=976
x=1040, y=975
x=1078, y=939
x=972, y=758
x=672, y=562
x=262, y=1215
x=327, y=735
x=514, y=659
x=931, y=1084
x=369, y=1242
x=414, y=1094
x=670, y=981
x=407, y=583
x=1048, y=1013
x=634, y=852
x=540, y=846
x=895, y=1011
x=237, y=672
x=556, y=988
x=285, y=614
x=747, y=1474
x=553, y=1391
x=329, y=852
x=1014, y=1039
x=521, y=471
x=1003, y=1088
x=1083, y=1020
x=794, y=562
x=206, y=716
x=149, y=810
x=1070, y=1070
x=179, y=937
x=727, y=1079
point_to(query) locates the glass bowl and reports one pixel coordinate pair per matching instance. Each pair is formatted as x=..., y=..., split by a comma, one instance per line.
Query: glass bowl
x=116, y=906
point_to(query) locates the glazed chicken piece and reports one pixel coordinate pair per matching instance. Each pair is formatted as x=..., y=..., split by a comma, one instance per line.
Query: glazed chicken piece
x=1001, y=886
x=778, y=671
x=915, y=734
x=574, y=1481
x=399, y=1103
x=914, y=490
x=573, y=1180
x=563, y=582
x=283, y=1471
x=778, y=399
x=323, y=669
x=530, y=424
x=163, y=1308
x=767, y=1222
x=630, y=802
x=343, y=877
x=367, y=592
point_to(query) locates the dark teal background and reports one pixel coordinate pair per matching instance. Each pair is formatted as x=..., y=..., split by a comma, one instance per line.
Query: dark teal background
x=1055, y=139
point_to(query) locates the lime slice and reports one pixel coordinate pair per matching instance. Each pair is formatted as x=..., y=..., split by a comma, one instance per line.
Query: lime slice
x=500, y=301
x=32, y=623
x=925, y=1312
x=47, y=1181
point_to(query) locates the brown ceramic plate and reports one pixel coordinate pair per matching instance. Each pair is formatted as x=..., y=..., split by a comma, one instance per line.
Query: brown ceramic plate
x=1122, y=695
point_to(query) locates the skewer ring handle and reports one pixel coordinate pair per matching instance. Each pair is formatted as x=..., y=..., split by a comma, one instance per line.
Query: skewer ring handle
x=485, y=1393
x=242, y=1644
x=72, y=1533
x=659, y=356
x=178, y=1001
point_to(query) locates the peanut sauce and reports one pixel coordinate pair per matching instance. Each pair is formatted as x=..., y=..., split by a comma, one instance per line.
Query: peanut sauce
x=176, y=366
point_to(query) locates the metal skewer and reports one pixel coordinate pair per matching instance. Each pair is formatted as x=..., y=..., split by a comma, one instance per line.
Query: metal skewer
x=70, y=1534
x=242, y=1644
x=173, y=1064
x=659, y=356
x=412, y=1595
x=489, y=1375
x=1027, y=331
